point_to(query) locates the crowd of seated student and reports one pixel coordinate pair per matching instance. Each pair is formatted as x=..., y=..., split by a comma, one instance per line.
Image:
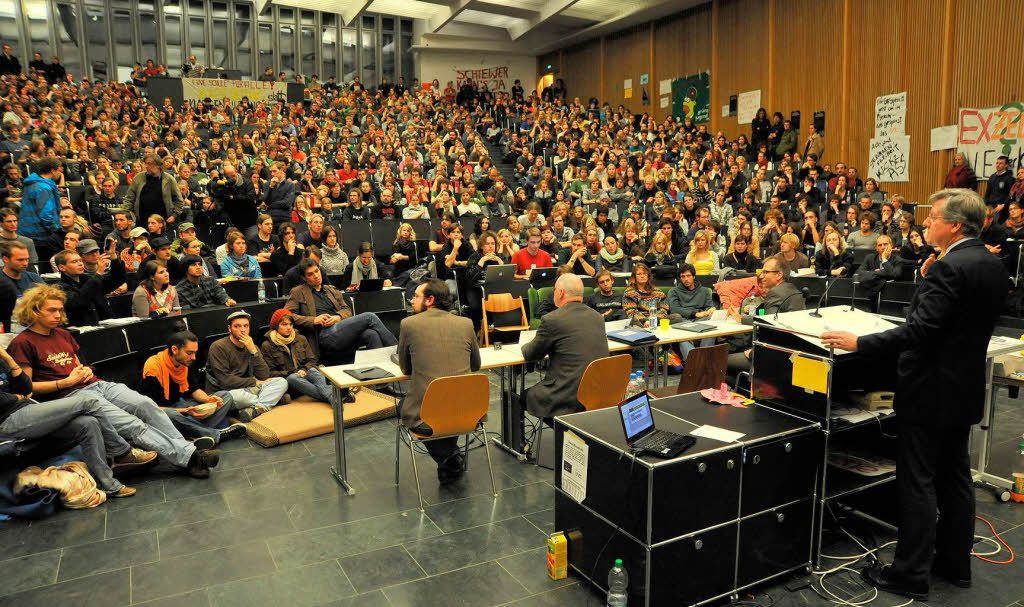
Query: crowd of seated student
x=595, y=189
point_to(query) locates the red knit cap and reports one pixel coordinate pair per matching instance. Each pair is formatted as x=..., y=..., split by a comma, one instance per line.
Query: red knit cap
x=276, y=318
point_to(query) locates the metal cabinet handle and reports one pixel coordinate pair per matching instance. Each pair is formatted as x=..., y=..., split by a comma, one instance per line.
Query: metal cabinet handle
x=729, y=464
x=698, y=544
x=757, y=459
x=702, y=467
x=779, y=517
x=789, y=447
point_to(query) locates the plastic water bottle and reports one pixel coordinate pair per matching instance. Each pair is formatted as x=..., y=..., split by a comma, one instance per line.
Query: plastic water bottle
x=641, y=383
x=261, y=292
x=618, y=580
x=633, y=387
x=652, y=320
x=1017, y=491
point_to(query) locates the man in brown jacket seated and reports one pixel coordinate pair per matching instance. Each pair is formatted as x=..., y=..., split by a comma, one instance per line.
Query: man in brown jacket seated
x=235, y=364
x=434, y=343
x=320, y=311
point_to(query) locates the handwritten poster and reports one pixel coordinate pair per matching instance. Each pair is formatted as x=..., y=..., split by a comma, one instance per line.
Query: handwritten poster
x=889, y=158
x=665, y=87
x=985, y=134
x=746, y=106
x=664, y=102
x=891, y=115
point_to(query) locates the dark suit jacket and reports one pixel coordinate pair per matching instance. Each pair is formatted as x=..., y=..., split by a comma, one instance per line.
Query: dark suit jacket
x=422, y=337
x=942, y=346
x=891, y=270
x=572, y=336
x=784, y=298
x=303, y=308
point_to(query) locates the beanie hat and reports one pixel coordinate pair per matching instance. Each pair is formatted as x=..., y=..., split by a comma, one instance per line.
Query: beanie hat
x=276, y=318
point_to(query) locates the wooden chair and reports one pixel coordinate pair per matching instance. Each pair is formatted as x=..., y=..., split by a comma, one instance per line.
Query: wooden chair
x=603, y=385
x=502, y=303
x=452, y=406
x=704, y=368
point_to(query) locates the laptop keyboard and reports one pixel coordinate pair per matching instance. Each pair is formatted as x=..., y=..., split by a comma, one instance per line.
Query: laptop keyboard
x=657, y=441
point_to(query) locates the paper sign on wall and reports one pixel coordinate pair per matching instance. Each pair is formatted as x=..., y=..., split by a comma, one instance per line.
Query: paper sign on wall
x=747, y=105
x=644, y=79
x=985, y=134
x=891, y=115
x=628, y=94
x=627, y=83
x=725, y=110
x=575, y=456
x=944, y=137
x=664, y=102
x=665, y=87
x=889, y=158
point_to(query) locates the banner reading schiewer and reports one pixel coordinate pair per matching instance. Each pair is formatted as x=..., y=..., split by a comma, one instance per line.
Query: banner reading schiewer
x=197, y=89
x=986, y=134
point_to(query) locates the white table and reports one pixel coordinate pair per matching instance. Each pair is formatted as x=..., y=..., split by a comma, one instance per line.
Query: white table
x=509, y=357
x=998, y=346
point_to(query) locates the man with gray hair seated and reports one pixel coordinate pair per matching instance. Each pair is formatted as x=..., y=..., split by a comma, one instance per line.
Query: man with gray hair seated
x=572, y=337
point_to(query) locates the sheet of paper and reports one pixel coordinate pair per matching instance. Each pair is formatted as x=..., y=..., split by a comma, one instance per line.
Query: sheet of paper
x=725, y=110
x=575, y=459
x=526, y=337
x=644, y=79
x=716, y=433
x=746, y=106
x=665, y=87
x=810, y=374
x=944, y=138
x=719, y=315
x=664, y=102
x=627, y=83
x=375, y=356
x=628, y=93
x=616, y=324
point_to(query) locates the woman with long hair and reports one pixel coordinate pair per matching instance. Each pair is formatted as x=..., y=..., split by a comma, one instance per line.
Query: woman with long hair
x=334, y=260
x=155, y=297
x=403, y=256
x=641, y=295
x=660, y=252
x=612, y=257
x=237, y=262
x=701, y=257
x=289, y=254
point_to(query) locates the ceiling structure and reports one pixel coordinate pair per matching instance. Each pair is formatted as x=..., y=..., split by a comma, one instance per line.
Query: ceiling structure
x=528, y=27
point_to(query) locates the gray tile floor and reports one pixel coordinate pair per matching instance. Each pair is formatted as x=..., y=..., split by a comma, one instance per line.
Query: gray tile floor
x=270, y=527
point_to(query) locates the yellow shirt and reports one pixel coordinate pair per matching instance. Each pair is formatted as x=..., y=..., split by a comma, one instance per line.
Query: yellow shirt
x=704, y=267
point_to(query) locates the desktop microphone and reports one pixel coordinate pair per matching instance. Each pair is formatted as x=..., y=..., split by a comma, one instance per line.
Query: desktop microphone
x=816, y=313
x=804, y=291
x=853, y=295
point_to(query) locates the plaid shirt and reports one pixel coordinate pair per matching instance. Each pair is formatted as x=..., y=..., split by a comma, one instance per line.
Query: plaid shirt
x=206, y=293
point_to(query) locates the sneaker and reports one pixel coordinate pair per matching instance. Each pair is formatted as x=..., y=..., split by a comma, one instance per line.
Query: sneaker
x=285, y=399
x=204, y=442
x=202, y=461
x=124, y=491
x=134, y=458
x=233, y=431
x=247, y=414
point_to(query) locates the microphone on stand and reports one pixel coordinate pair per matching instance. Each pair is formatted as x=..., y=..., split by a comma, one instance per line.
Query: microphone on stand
x=853, y=295
x=816, y=313
x=804, y=291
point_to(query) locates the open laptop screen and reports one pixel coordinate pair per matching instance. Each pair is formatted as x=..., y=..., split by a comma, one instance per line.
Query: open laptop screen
x=636, y=417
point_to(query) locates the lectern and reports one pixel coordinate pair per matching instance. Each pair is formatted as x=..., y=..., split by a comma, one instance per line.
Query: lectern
x=794, y=372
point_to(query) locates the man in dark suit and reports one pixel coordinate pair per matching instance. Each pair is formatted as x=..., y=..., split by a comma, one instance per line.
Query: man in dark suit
x=431, y=330
x=940, y=394
x=572, y=336
x=883, y=265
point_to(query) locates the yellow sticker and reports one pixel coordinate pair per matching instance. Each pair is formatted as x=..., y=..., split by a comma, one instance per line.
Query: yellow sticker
x=810, y=374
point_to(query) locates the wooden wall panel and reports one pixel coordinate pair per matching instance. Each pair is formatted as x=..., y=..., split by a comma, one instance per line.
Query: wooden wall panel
x=793, y=50
x=742, y=63
x=682, y=46
x=581, y=70
x=626, y=55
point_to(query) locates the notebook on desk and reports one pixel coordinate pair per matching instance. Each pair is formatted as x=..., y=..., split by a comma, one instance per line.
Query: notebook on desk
x=368, y=373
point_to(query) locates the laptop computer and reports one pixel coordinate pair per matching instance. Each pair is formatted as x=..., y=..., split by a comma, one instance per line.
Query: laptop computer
x=638, y=424
x=543, y=275
x=371, y=284
x=500, y=273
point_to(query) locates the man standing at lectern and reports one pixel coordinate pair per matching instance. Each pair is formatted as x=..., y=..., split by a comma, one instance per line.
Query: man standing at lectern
x=940, y=394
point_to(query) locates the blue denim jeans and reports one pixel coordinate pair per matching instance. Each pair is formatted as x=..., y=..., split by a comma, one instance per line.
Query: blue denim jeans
x=313, y=384
x=194, y=427
x=360, y=330
x=79, y=418
x=686, y=346
x=141, y=422
x=264, y=395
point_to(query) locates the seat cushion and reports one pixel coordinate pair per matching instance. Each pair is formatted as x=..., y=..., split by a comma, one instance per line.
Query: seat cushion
x=305, y=417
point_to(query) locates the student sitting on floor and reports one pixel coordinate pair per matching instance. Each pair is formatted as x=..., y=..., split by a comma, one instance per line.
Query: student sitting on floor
x=169, y=378
x=236, y=364
x=289, y=355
